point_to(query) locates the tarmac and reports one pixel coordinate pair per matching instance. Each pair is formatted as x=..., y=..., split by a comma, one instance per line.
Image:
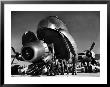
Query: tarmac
x=65, y=75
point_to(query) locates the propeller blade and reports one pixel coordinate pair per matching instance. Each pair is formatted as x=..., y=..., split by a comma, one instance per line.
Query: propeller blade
x=13, y=56
x=13, y=50
x=92, y=46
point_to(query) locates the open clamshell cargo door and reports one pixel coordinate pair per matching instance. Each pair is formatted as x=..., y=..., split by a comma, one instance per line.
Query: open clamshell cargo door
x=53, y=30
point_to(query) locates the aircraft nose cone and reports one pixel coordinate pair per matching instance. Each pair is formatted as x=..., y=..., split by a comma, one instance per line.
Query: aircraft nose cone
x=52, y=22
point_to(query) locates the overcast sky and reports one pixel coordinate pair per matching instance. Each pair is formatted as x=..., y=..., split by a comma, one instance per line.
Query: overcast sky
x=83, y=26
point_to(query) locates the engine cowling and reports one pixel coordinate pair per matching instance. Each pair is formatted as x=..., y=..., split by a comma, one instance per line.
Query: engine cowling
x=33, y=51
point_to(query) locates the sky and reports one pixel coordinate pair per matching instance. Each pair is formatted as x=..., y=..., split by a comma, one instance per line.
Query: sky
x=84, y=26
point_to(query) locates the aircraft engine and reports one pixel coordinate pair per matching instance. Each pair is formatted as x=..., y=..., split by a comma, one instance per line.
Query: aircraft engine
x=33, y=49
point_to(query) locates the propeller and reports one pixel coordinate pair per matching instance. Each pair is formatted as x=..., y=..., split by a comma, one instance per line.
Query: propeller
x=88, y=52
x=16, y=55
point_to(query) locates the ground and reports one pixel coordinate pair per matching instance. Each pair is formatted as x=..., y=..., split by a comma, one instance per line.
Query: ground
x=78, y=75
x=82, y=75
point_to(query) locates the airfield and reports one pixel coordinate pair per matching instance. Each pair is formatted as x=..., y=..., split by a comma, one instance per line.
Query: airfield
x=78, y=75
x=65, y=75
x=82, y=75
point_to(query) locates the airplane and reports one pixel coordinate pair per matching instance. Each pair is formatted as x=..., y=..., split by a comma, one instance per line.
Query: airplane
x=87, y=57
x=52, y=45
